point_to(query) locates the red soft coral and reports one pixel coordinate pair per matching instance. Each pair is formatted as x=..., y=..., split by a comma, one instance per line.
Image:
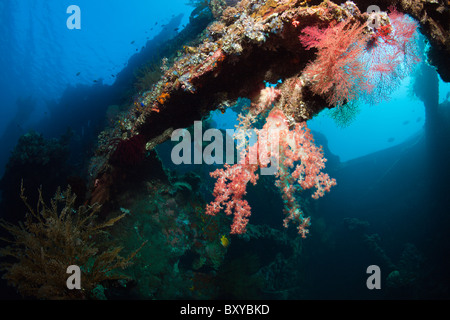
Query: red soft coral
x=229, y=190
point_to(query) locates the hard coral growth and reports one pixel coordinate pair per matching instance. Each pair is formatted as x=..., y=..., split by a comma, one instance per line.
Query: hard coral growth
x=54, y=237
x=216, y=6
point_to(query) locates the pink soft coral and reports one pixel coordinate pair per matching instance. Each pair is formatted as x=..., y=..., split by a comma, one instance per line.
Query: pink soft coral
x=295, y=146
x=229, y=190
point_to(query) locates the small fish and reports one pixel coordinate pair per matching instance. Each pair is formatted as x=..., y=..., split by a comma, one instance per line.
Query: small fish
x=156, y=23
x=78, y=73
x=176, y=29
x=113, y=76
x=391, y=140
x=224, y=241
x=95, y=80
x=132, y=42
x=419, y=119
x=406, y=122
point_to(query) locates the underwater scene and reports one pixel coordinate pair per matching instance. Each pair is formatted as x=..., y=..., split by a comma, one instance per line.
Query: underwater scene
x=225, y=150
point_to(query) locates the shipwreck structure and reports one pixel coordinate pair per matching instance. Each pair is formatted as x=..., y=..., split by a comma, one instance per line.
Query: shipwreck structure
x=252, y=42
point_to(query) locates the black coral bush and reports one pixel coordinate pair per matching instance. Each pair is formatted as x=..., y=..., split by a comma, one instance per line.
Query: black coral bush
x=54, y=237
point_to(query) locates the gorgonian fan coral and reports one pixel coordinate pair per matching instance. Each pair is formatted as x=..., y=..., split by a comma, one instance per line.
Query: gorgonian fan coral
x=300, y=163
x=352, y=64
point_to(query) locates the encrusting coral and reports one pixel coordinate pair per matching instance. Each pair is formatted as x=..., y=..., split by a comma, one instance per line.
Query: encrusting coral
x=54, y=237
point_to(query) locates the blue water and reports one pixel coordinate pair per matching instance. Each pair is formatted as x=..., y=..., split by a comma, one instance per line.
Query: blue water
x=391, y=173
x=41, y=57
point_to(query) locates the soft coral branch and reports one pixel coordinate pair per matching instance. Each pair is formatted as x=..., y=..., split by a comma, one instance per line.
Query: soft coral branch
x=229, y=190
x=295, y=146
